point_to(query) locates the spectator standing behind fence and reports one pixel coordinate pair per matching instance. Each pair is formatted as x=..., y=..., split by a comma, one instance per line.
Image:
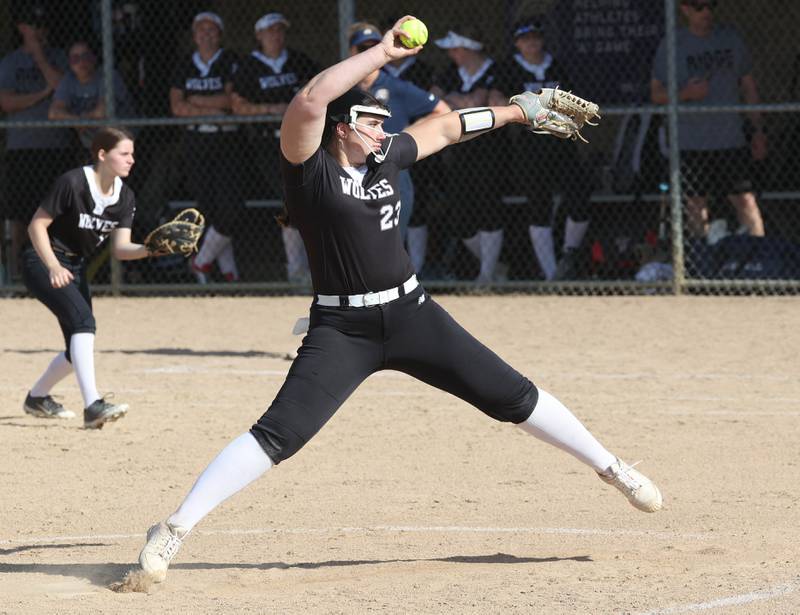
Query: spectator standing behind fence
x=202, y=85
x=407, y=102
x=81, y=93
x=471, y=81
x=266, y=81
x=714, y=68
x=35, y=157
x=531, y=69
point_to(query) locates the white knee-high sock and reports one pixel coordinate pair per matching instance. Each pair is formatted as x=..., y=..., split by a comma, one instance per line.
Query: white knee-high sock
x=491, y=243
x=542, y=241
x=81, y=350
x=226, y=260
x=237, y=465
x=574, y=232
x=474, y=245
x=553, y=423
x=58, y=369
x=213, y=243
x=296, y=258
x=417, y=242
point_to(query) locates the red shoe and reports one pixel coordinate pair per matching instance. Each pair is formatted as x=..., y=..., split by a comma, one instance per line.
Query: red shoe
x=200, y=268
x=231, y=277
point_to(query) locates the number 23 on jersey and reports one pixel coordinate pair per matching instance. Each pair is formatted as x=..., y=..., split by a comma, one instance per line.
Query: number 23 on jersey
x=390, y=216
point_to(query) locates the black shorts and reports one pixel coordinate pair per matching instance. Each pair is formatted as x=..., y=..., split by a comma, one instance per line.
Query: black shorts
x=413, y=335
x=716, y=172
x=72, y=305
x=30, y=174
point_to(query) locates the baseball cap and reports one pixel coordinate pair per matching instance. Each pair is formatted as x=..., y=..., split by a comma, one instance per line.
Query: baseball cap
x=208, y=16
x=528, y=25
x=269, y=20
x=365, y=35
x=454, y=40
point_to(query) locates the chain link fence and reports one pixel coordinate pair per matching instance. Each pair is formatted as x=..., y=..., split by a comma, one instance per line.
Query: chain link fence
x=687, y=185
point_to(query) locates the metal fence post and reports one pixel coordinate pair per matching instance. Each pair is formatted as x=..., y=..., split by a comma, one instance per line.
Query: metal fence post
x=111, y=113
x=676, y=208
x=347, y=15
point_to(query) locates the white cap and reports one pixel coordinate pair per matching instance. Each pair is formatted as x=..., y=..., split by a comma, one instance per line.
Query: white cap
x=209, y=16
x=454, y=40
x=269, y=20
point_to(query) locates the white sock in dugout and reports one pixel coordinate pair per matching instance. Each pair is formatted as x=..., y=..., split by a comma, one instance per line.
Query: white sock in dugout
x=473, y=245
x=542, y=241
x=226, y=261
x=553, y=423
x=81, y=350
x=296, y=259
x=236, y=466
x=574, y=232
x=491, y=243
x=58, y=369
x=213, y=243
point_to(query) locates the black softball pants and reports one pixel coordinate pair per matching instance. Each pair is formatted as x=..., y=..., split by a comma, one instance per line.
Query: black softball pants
x=413, y=335
x=72, y=305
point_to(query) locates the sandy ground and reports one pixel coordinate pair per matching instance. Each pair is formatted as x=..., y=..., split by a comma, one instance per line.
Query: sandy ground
x=411, y=501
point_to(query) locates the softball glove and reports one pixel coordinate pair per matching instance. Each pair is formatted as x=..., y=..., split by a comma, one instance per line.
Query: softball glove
x=179, y=236
x=556, y=112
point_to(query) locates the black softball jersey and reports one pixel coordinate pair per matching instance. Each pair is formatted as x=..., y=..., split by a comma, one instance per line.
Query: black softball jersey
x=261, y=79
x=83, y=217
x=195, y=77
x=349, y=218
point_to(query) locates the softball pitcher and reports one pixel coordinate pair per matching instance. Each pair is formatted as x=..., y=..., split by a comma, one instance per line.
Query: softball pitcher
x=369, y=312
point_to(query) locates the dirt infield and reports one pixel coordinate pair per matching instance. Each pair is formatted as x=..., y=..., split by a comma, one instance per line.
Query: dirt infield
x=410, y=501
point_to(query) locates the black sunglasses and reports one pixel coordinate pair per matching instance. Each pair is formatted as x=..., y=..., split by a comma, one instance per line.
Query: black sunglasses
x=699, y=6
x=365, y=46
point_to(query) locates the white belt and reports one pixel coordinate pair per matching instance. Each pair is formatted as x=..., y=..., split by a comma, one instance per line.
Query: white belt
x=369, y=299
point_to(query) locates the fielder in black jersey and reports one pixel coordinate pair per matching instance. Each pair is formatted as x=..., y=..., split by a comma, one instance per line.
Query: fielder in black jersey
x=558, y=162
x=201, y=86
x=369, y=312
x=267, y=79
x=84, y=208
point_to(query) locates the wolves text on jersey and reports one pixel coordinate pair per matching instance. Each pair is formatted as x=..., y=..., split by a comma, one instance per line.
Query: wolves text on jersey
x=197, y=84
x=88, y=221
x=380, y=190
x=276, y=81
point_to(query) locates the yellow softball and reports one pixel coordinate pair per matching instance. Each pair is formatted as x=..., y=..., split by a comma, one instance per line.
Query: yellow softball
x=416, y=33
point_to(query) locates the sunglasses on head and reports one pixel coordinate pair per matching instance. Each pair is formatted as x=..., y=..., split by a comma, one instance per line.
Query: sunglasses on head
x=698, y=6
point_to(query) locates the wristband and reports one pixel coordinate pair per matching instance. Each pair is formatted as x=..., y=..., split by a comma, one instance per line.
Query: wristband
x=475, y=120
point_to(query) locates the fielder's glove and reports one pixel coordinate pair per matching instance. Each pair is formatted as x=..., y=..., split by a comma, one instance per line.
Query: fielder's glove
x=556, y=112
x=180, y=236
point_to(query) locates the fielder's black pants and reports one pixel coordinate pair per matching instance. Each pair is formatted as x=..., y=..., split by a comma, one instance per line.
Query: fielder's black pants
x=72, y=304
x=412, y=334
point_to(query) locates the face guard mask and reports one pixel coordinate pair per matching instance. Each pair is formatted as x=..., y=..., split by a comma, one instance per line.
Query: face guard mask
x=354, y=123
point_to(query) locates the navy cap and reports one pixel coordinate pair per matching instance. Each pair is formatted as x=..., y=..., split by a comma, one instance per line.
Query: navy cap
x=526, y=26
x=365, y=35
